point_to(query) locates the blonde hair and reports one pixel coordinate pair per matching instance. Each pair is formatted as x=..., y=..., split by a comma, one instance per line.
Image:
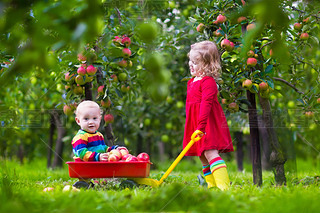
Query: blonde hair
x=208, y=58
x=86, y=104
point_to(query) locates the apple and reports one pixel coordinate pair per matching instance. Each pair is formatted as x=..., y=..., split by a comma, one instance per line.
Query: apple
x=224, y=101
x=227, y=45
x=67, y=110
x=200, y=27
x=247, y=84
x=81, y=57
x=123, y=150
x=250, y=53
x=263, y=86
x=126, y=41
x=318, y=101
x=297, y=26
x=306, y=20
x=241, y=19
x=304, y=36
x=116, y=41
x=101, y=90
x=221, y=19
x=114, y=78
x=251, y=27
x=105, y=104
x=233, y=107
x=113, y=158
x=68, y=188
x=115, y=152
x=80, y=80
x=48, y=189
x=243, y=2
x=81, y=71
x=143, y=157
x=123, y=63
x=132, y=159
x=126, y=52
x=309, y=114
x=108, y=118
x=78, y=90
x=271, y=52
x=251, y=62
x=67, y=76
x=215, y=22
x=91, y=70
x=165, y=138
x=168, y=125
x=125, y=157
x=123, y=76
x=217, y=32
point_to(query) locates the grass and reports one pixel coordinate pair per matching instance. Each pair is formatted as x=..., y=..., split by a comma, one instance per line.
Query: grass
x=22, y=191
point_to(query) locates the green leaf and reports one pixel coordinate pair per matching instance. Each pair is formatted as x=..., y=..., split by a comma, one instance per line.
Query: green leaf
x=192, y=20
x=269, y=69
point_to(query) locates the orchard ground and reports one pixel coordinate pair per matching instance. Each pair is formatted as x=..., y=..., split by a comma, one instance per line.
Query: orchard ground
x=22, y=191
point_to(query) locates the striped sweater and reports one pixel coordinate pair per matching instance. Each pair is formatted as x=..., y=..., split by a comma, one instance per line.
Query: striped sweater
x=88, y=146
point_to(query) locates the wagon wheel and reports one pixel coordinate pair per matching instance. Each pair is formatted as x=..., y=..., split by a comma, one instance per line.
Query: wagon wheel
x=128, y=184
x=81, y=184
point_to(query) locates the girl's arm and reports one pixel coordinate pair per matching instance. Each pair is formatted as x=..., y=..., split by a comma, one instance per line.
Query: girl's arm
x=209, y=91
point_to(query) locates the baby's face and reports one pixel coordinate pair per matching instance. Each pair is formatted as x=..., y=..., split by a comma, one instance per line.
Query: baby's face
x=89, y=119
x=194, y=63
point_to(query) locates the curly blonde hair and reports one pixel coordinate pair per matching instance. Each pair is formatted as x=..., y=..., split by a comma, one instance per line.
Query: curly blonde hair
x=208, y=58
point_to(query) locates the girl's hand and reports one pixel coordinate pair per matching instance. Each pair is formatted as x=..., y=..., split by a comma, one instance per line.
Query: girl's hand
x=104, y=157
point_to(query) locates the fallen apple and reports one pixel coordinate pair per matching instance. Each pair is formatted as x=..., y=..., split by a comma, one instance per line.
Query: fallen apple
x=48, y=189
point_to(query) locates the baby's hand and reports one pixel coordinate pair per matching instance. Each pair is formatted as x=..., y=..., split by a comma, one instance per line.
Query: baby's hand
x=104, y=157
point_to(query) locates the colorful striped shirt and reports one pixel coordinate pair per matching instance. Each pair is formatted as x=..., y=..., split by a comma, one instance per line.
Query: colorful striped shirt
x=88, y=146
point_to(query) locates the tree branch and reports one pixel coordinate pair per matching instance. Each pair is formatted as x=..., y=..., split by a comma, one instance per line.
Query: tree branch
x=301, y=11
x=289, y=84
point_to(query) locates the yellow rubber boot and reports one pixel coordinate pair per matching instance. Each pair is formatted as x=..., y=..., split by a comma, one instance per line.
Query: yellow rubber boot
x=221, y=178
x=210, y=181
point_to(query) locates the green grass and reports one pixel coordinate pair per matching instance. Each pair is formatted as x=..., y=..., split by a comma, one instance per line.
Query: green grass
x=22, y=191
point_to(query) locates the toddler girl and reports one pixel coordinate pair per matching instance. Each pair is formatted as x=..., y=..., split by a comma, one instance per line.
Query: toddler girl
x=204, y=115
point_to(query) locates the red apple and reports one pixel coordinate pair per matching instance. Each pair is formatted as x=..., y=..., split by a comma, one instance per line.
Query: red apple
x=306, y=20
x=114, y=78
x=271, y=52
x=81, y=57
x=113, y=157
x=116, y=152
x=233, y=107
x=225, y=43
x=101, y=90
x=200, y=27
x=126, y=52
x=105, y=103
x=123, y=150
x=126, y=41
x=297, y=26
x=221, y=19
x=91, y=70
x=263, y=86
x=241, y=19
x=250, y=53
x=247, y=84
x=123, y=63
x=251, y=26
x=217, y=32
x=67, y=110
x=309, y=114
x=143, y=157
x=318, y=101
x=125, y=157
x=304, y=36
x=132, y=159
x=243, y=2
x=81, y=71
x=224, y=101
x=116, y=41
x=251, y=62
x=108, y=118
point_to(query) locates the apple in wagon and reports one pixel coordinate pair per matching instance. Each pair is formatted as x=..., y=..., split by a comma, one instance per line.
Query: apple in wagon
x=123, y=150
x=132, y=159
x=125, y=157
x=143, y=157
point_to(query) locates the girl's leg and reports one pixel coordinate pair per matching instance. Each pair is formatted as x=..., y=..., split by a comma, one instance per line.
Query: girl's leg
x=207, y=172
x=218, y=169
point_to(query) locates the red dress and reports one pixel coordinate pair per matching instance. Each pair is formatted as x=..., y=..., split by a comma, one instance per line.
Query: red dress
x=204, y=112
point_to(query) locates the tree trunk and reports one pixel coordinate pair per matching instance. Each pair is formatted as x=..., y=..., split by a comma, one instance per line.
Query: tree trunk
x=88, y=91
x=109, y=134
x=50, y=142
x=240, y=155
x=277, y=157
x=254, y=136
x=57, y=162
x=264, y=138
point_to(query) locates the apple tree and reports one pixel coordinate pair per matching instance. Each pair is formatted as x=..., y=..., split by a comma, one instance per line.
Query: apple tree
x=263, y=50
